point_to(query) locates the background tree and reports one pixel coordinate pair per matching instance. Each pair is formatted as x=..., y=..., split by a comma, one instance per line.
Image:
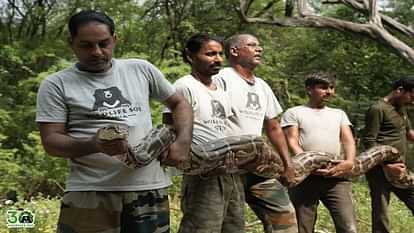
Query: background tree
x=369, y=22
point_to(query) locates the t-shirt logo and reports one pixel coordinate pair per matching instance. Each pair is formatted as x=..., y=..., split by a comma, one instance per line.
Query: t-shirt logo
x=109, y=98
x=253, y=101
x=218, y=109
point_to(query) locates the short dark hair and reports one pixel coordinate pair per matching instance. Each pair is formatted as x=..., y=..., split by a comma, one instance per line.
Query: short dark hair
x=87, y=16
x=406, y=83
x=195, y=42
x=320, y=77
x=234, y=41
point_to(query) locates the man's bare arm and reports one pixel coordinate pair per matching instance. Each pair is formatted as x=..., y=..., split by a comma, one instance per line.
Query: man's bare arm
x=292, y=136
x=56, y=142
x=348, y=143
x=278, y=140
x=182, y=117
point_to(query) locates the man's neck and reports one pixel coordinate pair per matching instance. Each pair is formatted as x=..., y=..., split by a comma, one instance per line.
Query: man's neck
x=244, y=72
x=316, y=105
x=87, y=69
x=205, y=80
x=391, y=99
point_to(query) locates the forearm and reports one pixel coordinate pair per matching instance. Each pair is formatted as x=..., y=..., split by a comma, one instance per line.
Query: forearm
x=292, y=136
x=62, y=145
x=373, y=121
x=295, y=147
x=283, y=151
x=348, y=143
x=183, y=122
x=350, y=151
x=277, y=138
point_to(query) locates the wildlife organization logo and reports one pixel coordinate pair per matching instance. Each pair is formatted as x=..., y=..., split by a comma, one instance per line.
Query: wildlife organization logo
x=109, y=98
x=110, y=103
x=217, y=109
x=19, y=218
x=253, y=102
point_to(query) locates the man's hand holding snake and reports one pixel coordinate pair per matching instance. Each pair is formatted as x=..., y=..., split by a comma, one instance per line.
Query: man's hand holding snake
x=341, y=168
x=177, y=155
x=110, y=147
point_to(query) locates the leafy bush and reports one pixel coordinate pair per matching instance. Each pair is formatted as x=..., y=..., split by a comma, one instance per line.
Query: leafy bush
x=24, y=166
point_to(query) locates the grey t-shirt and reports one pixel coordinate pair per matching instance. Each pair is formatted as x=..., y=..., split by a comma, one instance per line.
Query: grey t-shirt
x=214, y=117
x=319, y=129
x=87, y=101
x=255, y=103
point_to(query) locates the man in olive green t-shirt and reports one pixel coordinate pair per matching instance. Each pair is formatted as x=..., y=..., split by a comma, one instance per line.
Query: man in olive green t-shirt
x=387, y=123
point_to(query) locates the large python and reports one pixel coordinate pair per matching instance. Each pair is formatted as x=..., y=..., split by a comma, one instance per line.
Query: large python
x=239, y=154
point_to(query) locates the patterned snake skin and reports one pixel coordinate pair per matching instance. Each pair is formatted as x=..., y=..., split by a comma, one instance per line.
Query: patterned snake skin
x=239, y=154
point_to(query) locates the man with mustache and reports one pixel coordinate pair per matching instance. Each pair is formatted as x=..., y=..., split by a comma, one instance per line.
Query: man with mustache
x=211, y=203
x=317, y=127
x=102, y=194
x=258, y=109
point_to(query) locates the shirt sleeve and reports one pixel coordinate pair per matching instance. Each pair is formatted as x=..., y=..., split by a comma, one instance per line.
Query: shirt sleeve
x=373, y=118
x=50, y=102
x=185, y=91
x=409, y=126
x=160, y=87
x=289, y=119
x=344, y=119
x=407, y=121
x=273, y=107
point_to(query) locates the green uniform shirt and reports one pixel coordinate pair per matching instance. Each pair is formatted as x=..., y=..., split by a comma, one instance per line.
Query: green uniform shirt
x=386, y=125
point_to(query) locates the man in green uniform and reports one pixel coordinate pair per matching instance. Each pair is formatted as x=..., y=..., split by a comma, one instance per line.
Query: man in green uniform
x=387, y=123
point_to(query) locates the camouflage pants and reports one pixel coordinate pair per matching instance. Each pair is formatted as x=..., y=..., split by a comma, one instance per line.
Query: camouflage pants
x=270, y=201
x=115, y=212
x=212, y=204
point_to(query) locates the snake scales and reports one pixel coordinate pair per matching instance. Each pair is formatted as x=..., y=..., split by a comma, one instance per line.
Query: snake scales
x=239, y=154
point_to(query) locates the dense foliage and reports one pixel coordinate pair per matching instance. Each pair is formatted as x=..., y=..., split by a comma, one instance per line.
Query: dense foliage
x=33, y=45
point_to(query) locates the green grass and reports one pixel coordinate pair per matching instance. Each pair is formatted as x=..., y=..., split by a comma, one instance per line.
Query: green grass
x=401, y=219
x=47, y=209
